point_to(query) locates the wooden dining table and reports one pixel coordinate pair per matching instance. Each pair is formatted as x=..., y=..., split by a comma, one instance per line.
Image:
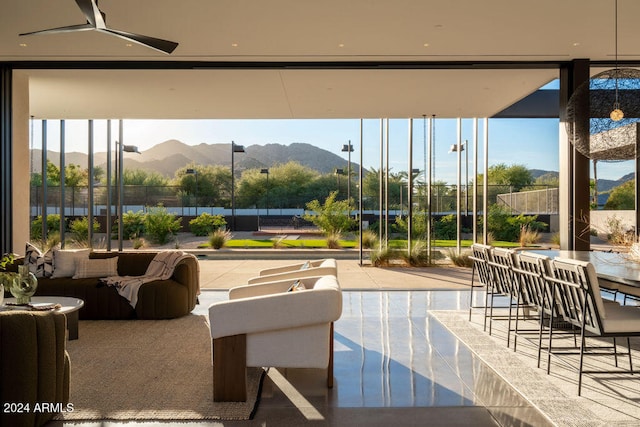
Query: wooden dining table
x=613, y=266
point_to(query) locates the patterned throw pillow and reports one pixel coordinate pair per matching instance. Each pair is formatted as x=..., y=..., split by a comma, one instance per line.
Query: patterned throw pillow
x=96, y=268
x=39, y=264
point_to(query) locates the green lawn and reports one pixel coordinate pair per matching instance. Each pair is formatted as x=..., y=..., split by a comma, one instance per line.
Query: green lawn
x=347, y=244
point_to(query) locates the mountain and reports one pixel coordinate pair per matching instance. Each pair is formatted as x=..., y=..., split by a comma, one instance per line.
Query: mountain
x=171, y=155
x=537, y=173
x=606, y=185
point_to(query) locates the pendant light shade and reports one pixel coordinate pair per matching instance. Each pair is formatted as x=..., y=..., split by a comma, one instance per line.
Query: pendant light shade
x=613, y=97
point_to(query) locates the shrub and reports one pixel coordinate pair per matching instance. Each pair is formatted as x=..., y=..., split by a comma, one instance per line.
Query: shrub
x=369, y=239
x=133, y=225
x=332, y=216
x=278, y=242
x=383, y=257
x=446, y=228
x=528, y=236
x=53, y=225
x=419, y=256
x=138, y=242
x=206, y=224
x=219, y=238
x=418, y=225
x=618, y=235
x=80, y=229
x=461, y=260
x=160, y=224
x=504, y=226
x=333, y=240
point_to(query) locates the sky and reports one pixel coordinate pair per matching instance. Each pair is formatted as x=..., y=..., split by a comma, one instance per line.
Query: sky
x=529, y=142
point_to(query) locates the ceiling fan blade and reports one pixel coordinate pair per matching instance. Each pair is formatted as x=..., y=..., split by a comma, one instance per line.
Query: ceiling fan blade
x=90, y=10
x=67, y=29
x=165, y=46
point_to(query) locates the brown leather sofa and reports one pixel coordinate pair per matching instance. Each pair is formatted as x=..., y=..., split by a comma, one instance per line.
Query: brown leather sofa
x=34, y=368
x=161, y=299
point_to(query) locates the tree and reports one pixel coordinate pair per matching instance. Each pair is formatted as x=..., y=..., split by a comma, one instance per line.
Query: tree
x=75, y=176
x=143, y=177
x=550, y=179
x=622, y=197
x=371, y=188
x=516, y=176
x=214, y=184
x=332, y=217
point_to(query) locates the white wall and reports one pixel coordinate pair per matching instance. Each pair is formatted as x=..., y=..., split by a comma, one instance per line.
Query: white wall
x=599, y=220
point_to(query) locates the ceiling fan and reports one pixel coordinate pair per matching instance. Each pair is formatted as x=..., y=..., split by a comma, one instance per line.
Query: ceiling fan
x=96, y=20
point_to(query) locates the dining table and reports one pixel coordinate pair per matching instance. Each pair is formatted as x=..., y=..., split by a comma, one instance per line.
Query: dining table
x=615, y=267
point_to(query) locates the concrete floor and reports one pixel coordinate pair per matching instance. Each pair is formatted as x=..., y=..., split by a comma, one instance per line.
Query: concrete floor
x=394, y=363
x=224, y=274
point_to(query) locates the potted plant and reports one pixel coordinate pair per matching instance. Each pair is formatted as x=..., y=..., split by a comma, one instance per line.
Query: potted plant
x=6, y=277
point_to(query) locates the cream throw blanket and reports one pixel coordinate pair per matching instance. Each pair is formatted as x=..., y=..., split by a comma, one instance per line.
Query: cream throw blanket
x=160, y=268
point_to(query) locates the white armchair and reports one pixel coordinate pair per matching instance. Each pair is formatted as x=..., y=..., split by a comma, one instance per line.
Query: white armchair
x=264, y=325
x=313, y=268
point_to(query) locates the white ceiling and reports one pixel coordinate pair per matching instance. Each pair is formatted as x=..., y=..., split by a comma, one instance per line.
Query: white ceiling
x=295, y=31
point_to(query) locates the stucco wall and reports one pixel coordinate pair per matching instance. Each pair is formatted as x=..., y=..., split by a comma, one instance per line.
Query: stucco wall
x=600, y=220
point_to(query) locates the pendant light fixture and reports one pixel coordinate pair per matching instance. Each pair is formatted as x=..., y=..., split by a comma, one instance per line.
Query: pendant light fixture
x=616, y=114
x=613, y=112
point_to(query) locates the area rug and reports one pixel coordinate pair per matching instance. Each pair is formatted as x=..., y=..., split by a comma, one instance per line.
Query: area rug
x=607, y=399
x=149, y=370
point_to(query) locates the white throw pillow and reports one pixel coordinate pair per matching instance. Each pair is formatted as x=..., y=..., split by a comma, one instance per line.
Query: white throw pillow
x=96, y=268
x=64, y=262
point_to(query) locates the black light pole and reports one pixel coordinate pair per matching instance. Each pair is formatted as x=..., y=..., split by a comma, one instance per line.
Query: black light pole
x=348, y=148
x=463, y=147
x=194, y=172
x=122, y=148
x=234, y=149
x=266, y=171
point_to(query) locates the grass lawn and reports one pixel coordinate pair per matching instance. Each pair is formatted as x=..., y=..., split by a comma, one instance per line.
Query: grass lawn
x=346, y=244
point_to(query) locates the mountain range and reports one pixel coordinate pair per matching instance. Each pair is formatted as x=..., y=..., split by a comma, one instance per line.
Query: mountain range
x=604, y=185
x=169, y=156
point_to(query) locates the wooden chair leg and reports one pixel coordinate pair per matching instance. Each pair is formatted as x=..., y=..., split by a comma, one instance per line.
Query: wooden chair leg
x=330, y=366
x=230, y=369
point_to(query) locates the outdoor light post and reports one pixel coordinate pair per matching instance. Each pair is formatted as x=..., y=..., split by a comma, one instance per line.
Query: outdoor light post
x=463, y=147
x=348, y=148
x=234, y=149
x=122, y=148
x=194, y=172
x=266, y=171
x=457, y=148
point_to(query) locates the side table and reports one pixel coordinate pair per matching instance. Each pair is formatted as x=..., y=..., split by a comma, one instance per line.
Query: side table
x=69, y=307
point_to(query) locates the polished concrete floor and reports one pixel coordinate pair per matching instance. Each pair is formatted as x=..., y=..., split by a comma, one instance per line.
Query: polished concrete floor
x=394, y=365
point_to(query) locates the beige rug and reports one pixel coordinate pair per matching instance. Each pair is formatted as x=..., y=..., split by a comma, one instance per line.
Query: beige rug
x=149, y=370
x=607, y=399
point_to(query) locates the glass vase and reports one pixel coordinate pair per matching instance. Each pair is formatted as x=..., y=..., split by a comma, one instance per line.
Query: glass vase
x=24, y=286
x=6, y=282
